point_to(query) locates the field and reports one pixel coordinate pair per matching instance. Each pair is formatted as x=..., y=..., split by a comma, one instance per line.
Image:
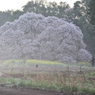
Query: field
x=76, y=79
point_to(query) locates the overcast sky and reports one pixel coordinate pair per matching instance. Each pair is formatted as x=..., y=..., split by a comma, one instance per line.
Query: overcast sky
x=17, y=4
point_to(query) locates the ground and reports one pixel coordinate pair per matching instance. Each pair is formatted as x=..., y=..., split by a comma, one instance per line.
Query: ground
x=12, y=91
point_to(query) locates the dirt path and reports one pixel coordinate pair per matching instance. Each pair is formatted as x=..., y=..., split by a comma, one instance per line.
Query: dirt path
x=12, y=91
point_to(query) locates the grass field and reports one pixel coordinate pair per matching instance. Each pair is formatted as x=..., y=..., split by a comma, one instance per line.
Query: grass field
x=79, y=78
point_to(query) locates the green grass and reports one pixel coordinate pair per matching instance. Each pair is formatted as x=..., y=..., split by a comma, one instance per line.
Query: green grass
x=19, y=83
x=83, y=64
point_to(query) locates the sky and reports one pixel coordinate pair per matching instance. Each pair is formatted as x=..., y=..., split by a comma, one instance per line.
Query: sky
x=17, y=4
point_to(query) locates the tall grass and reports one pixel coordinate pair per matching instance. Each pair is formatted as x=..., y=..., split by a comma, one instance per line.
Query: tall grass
x=60, y=81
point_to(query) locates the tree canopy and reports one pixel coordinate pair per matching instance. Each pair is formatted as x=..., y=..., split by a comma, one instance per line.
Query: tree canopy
x=77, y=15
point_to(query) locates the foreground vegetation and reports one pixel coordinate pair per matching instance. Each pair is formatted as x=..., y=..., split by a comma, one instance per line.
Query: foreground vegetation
x=48, y=75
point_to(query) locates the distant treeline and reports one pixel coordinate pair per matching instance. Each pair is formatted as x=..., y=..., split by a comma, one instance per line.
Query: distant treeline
x=78, y=15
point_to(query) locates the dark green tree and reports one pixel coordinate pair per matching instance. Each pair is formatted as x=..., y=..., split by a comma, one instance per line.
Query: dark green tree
x=80, y=18
x=16, y=14
x=29, y=7
x=37, y=6
x=62, y=8
x=91, y=11
x=52, y=9
x=4, y=17
x=46, y=9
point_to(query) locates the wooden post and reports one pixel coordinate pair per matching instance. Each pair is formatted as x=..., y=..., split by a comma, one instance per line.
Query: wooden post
x=36, y=71
x=80, y=69
x=11, y=71
x=93, y=61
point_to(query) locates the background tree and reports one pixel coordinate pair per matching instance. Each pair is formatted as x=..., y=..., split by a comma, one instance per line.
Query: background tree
x=46, y=8
x=80, y=18
x=16, y=14
x=5, y=16
x=91, y=11
x=62, y=8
